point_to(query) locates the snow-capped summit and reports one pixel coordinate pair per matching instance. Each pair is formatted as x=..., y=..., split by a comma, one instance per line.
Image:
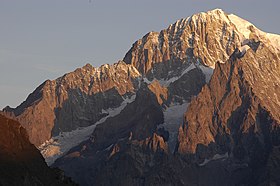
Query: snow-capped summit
x=246, y=28
x=207, y=37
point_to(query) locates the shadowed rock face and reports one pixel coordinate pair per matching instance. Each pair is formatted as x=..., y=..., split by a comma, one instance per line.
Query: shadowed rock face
x=82, y=110
x=144, y=115
x=109, y=138
x=21, y=163
x=131, y=162
x=186, y=87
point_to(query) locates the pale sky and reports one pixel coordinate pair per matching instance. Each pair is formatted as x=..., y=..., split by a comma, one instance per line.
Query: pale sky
x=44, y=39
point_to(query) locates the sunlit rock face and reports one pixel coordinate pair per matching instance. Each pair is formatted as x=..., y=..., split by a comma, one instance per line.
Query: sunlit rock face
x=239, y=91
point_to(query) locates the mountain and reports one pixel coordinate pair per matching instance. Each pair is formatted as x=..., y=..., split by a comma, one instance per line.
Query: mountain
x=79, y=98
x=213, y=73
x=237, y=115
x=21, y=163
x=227, y=132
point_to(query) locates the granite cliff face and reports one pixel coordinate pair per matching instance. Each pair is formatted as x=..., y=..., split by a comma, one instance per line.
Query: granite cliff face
x=21, y=163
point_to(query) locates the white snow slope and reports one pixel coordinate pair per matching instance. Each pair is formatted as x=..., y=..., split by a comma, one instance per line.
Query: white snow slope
x=173, y=118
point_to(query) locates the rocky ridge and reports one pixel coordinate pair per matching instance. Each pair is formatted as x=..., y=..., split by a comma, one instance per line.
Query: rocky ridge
x=75, y=100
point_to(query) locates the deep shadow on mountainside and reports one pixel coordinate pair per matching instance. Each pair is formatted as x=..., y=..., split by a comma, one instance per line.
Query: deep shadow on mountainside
x=20, y=162
x=138, y=121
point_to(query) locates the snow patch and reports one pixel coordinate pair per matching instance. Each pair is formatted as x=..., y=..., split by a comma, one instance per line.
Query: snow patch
x=147, y=81
x=109, y=147
x=243, y=27
x=274, y=39
x=59, y=145
x=241, y=24
x=215, y=157
x=218, y=14
x=166, y=83
x=208, y=72
x=244, y=49
x=173, y=118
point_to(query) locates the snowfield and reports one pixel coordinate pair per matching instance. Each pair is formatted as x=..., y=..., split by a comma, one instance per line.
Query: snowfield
x=173, y=119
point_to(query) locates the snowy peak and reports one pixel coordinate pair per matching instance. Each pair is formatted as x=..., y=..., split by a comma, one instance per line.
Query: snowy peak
x=242, y=25
x=206, y=37
x=216, y=14
x=248, y=30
